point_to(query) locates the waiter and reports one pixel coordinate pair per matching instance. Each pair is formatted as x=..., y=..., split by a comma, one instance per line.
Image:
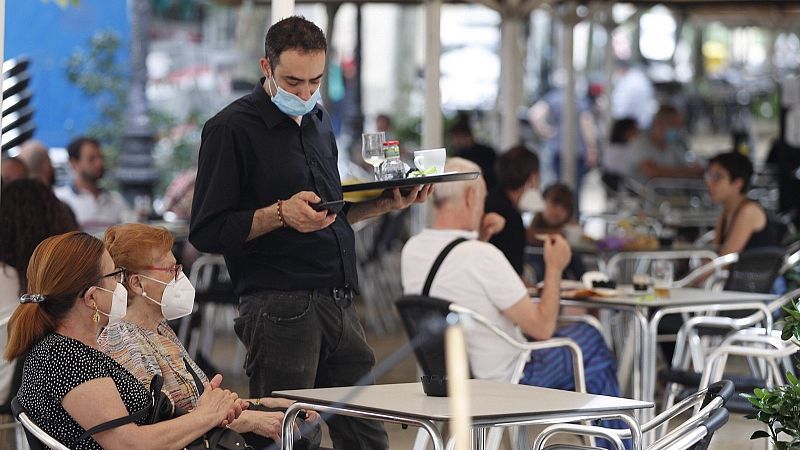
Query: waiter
x=264, y=160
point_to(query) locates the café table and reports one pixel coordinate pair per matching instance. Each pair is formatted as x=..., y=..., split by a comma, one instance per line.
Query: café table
x=647, y=310
x=491, y=404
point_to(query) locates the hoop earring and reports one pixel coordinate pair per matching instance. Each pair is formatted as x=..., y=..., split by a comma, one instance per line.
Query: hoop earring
x=96, y=316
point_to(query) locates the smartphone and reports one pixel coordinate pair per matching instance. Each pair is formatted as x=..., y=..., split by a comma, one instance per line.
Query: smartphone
x=333, y=207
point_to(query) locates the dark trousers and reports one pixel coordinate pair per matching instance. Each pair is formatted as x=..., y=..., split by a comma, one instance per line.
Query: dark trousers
x=307, y=339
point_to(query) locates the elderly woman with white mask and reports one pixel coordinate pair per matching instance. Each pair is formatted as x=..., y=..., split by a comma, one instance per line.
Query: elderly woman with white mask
x=145, y=344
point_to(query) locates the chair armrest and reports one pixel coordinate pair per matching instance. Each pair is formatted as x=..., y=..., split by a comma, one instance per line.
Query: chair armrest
x=714, y=266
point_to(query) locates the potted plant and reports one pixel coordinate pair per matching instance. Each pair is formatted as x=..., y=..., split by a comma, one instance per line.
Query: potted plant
x=779, y=407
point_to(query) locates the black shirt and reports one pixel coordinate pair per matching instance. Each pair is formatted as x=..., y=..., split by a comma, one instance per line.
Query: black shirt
x=511, y=240
x=251, y=156
x=484, y=156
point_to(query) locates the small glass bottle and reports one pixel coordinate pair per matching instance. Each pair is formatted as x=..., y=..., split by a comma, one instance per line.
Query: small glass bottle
x=393, y=168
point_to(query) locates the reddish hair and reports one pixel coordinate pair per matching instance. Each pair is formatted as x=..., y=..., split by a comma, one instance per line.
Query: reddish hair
x=60, y=269
x=135, y=245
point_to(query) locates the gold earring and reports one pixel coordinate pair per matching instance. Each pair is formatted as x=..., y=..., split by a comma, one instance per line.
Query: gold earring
x=96, y=316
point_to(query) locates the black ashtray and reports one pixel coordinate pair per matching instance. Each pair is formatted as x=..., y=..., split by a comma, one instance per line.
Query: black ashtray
x=609, y=284
x=434, y=385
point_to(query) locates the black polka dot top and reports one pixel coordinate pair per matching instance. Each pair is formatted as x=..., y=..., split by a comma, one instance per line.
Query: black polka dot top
x=58, y=364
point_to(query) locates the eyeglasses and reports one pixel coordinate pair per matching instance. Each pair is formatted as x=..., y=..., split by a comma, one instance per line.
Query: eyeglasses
x=714, y=176
x=176, y=269
x=118, y=274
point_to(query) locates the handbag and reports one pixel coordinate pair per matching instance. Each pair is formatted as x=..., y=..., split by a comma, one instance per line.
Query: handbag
x=161, y=408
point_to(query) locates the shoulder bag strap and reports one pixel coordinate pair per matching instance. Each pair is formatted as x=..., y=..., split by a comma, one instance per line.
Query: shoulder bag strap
x=141, y=414
x=197, y=381
x=436, y=264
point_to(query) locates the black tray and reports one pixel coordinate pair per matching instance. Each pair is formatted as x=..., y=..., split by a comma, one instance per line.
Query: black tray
x=408, y=182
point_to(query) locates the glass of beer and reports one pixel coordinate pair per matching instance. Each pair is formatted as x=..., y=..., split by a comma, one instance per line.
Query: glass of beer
x=662, y=273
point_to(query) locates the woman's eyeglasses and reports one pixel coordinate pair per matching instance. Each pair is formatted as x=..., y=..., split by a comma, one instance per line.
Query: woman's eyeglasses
x=118, y=274
x=176, y=269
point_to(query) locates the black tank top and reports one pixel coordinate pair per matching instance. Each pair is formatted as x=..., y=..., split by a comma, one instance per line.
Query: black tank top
x=769, y=236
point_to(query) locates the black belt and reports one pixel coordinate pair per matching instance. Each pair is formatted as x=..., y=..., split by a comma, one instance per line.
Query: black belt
x=342, y=293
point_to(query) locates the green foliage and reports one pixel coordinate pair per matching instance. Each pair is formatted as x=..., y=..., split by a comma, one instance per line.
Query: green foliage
x=779, y=408
x=100, y=76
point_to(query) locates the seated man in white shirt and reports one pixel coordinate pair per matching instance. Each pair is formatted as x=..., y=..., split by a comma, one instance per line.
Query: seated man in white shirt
x=95, y=208
x=475, y=274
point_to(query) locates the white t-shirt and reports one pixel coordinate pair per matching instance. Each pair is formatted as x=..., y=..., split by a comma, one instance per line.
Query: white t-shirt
x=478, y=276
x=9, y=299
x=633, y=96
x=94, y=213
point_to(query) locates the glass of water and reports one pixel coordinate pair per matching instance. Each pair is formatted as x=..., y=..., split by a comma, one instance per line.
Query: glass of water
x=372, y=150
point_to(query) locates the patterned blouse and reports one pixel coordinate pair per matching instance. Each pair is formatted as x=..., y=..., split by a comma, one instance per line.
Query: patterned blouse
x=146, y=353
x=59, y=364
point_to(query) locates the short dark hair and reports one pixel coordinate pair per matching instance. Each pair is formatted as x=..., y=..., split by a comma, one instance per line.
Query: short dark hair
x=460, y=127
x=737, y=165
x=293, y=33
x=620, y=129
x=562, y=195
x=515, y=166
x=75, y=146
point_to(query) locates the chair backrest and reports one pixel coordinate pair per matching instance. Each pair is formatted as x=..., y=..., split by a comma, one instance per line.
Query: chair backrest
x=211, y=280
x=755, y=271
x=37, y=438
x=716, y=420
x=424, y=319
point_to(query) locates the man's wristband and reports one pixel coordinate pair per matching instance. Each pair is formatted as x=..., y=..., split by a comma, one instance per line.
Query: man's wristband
x=280, y=213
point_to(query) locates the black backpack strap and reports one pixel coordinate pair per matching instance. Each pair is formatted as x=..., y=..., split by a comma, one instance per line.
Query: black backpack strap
x=197, y=381
x=141, y=414
x=436, y=264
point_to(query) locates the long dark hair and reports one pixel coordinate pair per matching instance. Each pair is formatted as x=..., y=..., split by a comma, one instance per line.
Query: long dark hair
x=29, y=213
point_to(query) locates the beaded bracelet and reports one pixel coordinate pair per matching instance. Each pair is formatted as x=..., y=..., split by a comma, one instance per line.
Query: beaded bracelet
x=280, y=214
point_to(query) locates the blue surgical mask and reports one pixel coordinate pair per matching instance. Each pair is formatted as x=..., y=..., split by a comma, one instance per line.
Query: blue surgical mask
x=672, y=136
x=291, y=104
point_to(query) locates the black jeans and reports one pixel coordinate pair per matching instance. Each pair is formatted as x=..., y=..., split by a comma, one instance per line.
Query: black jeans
x=306, y=339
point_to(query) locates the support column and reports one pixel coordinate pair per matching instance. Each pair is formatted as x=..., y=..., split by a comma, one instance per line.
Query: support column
x=432, y=126
x=136, y=174
x=510, y=80
x=569, y=125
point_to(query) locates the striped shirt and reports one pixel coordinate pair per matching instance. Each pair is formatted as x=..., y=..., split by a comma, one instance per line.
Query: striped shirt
x=145, y=353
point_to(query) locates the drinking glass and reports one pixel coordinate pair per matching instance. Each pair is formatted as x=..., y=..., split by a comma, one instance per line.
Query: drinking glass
x=662, y=272
x=372, y=150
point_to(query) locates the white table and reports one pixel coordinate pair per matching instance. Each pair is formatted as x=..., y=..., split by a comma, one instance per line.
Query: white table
x=646, y=327
x=491, y=404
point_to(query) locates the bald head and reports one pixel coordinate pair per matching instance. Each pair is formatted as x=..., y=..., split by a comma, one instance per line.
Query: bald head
x=37, y=159
x=459, y=204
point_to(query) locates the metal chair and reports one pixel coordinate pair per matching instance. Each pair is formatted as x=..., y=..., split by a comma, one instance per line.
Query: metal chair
x=16, y=381
x=38, y=439
x=213, y=289
x=693, y=433
x=420, y=316
x=753, y=271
